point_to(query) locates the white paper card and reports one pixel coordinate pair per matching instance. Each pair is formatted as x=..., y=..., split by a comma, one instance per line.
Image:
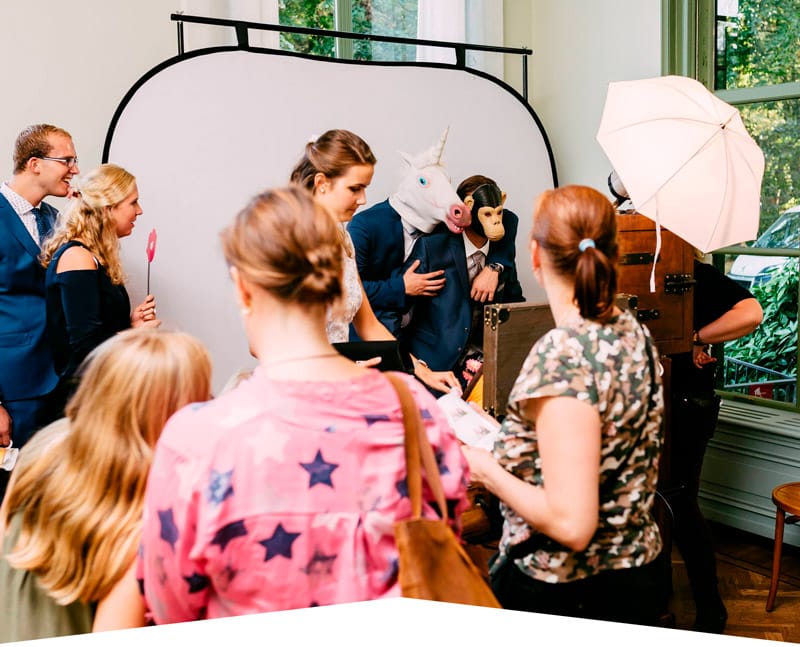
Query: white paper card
x=470, y=426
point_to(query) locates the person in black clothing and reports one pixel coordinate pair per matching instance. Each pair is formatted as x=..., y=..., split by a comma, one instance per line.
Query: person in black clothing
x=723, y=310
x=85, y=293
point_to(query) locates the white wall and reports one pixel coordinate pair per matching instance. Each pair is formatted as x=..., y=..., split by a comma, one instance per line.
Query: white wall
x=579, y=46
x=70, y=64
x=582, y=47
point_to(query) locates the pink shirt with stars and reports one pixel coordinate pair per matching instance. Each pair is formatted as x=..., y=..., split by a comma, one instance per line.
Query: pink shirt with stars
x=283, y=495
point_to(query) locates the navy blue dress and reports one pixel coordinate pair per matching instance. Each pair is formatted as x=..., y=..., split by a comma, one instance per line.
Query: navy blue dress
x=84, y=308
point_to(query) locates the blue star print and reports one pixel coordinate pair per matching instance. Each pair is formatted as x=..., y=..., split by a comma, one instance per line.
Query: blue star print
x=402, y=487
x=373, y=418
x=319, y=470
x=320, y=563
x=440, y=462
x=169, y=531
x=219, y=487
x=228, y=533
x=197, y=582
x=279, y=544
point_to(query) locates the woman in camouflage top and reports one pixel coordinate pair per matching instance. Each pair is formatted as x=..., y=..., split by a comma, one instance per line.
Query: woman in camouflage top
x=576, y=461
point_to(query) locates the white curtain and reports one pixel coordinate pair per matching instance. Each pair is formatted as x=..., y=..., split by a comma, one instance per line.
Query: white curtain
x=197, y=36
x=473, y=21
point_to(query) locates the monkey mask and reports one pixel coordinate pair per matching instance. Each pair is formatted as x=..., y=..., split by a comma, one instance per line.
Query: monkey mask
x=486, y=206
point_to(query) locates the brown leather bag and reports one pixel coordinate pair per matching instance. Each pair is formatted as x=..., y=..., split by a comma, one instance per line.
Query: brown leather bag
x=432, y=564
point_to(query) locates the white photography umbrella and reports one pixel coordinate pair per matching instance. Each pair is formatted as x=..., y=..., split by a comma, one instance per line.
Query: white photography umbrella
x=685, y=158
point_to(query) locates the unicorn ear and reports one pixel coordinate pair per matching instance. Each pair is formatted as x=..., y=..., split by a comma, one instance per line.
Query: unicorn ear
x=439, y=148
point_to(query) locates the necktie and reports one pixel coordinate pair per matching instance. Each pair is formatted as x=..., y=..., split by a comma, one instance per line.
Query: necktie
x=41, y=224
x=476, y=264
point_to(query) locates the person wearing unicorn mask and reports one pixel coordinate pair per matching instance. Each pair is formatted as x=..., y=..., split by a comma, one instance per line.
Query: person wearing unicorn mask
x=446, y=330
x=384, y=234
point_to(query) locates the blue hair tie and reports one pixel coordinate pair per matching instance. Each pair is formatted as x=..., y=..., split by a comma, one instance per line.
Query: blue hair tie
x=585, y=244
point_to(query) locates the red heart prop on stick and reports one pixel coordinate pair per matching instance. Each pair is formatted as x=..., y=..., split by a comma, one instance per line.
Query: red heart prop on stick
x=151, y=252
x=151, y=246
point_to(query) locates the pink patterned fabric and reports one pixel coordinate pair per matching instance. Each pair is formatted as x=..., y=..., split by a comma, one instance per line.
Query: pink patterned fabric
x=282, y=495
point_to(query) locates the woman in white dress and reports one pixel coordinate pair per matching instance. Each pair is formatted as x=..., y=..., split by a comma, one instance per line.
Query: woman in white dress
x=337, y=168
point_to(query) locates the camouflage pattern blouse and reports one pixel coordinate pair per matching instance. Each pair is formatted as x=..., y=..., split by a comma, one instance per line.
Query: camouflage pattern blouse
x=608, y=366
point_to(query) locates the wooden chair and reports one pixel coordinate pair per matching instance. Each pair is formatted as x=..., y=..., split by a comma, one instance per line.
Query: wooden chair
x=786, y=498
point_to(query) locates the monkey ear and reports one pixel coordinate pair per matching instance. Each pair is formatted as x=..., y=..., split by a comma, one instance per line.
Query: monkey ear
x=502, y=197
x=469, y=201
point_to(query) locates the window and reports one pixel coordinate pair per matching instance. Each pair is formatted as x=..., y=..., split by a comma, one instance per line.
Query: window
x=383, y=17
x=747, y=52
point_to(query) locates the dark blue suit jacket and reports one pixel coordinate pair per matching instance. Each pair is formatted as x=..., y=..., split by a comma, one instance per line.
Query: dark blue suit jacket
x=377, y=235
x=440, y=326
x=26, y=363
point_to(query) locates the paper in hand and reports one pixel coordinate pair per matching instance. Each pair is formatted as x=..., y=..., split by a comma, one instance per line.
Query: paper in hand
x=470, y=426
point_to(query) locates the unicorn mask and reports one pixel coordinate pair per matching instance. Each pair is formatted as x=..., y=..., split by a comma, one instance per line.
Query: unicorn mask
x=425, y=196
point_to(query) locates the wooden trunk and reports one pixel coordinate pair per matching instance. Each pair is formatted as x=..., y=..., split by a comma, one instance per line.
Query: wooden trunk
x=667, y=312
x=509, y=332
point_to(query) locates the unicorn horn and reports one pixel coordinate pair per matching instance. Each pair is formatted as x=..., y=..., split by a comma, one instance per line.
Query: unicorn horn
x=439, y=148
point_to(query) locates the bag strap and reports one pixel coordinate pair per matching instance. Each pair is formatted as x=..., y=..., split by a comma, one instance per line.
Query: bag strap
x=419, y=453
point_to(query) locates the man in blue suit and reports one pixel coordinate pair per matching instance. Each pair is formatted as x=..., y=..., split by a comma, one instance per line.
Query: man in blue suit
x=447, y=328
x=44, y=164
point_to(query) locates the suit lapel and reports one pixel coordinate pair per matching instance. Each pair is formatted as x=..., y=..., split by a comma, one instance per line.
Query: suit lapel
x=13, y=224
x=459, y=256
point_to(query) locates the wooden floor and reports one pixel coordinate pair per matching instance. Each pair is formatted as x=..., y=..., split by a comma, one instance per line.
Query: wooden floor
x=744, y=563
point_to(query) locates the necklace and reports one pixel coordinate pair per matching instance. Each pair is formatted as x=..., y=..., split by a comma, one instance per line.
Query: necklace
x=300, y=359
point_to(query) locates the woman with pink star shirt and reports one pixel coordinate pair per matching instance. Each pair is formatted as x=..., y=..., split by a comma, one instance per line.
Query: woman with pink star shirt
x=283, y=492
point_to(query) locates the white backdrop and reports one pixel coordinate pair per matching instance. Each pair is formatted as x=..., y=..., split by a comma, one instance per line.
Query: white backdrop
x=203, y=134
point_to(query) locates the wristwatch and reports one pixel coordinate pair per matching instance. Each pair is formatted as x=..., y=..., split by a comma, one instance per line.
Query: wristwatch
x=496, y=267
x=696, y=341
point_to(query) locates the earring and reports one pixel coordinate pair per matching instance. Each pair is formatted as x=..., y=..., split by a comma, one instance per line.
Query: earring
x=322, y=190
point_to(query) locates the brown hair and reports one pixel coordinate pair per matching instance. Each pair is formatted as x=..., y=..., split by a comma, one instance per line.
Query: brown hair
x=332, y=154
x=564, y=220
x=34, y=142
x=469, y=185
x=286, y=243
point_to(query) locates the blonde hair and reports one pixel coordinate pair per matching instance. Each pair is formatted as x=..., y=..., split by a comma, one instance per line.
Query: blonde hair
x=80, y=501
x=289, y=245
x=88, y=218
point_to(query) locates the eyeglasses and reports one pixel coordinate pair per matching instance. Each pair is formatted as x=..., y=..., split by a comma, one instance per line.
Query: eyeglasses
x=68, y=161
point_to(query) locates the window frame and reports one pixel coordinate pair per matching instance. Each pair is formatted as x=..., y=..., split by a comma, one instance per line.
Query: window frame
x=688, y=48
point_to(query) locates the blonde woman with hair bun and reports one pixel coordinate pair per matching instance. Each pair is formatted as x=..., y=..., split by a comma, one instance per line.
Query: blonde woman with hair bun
x=290, y=483
x=85, y=284
x=71, y=519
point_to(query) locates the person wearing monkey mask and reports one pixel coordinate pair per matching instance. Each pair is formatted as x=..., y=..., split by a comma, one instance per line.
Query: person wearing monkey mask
x=445, y=330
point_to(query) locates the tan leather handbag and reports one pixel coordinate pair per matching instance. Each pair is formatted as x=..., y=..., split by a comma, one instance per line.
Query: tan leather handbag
x=432, y=565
